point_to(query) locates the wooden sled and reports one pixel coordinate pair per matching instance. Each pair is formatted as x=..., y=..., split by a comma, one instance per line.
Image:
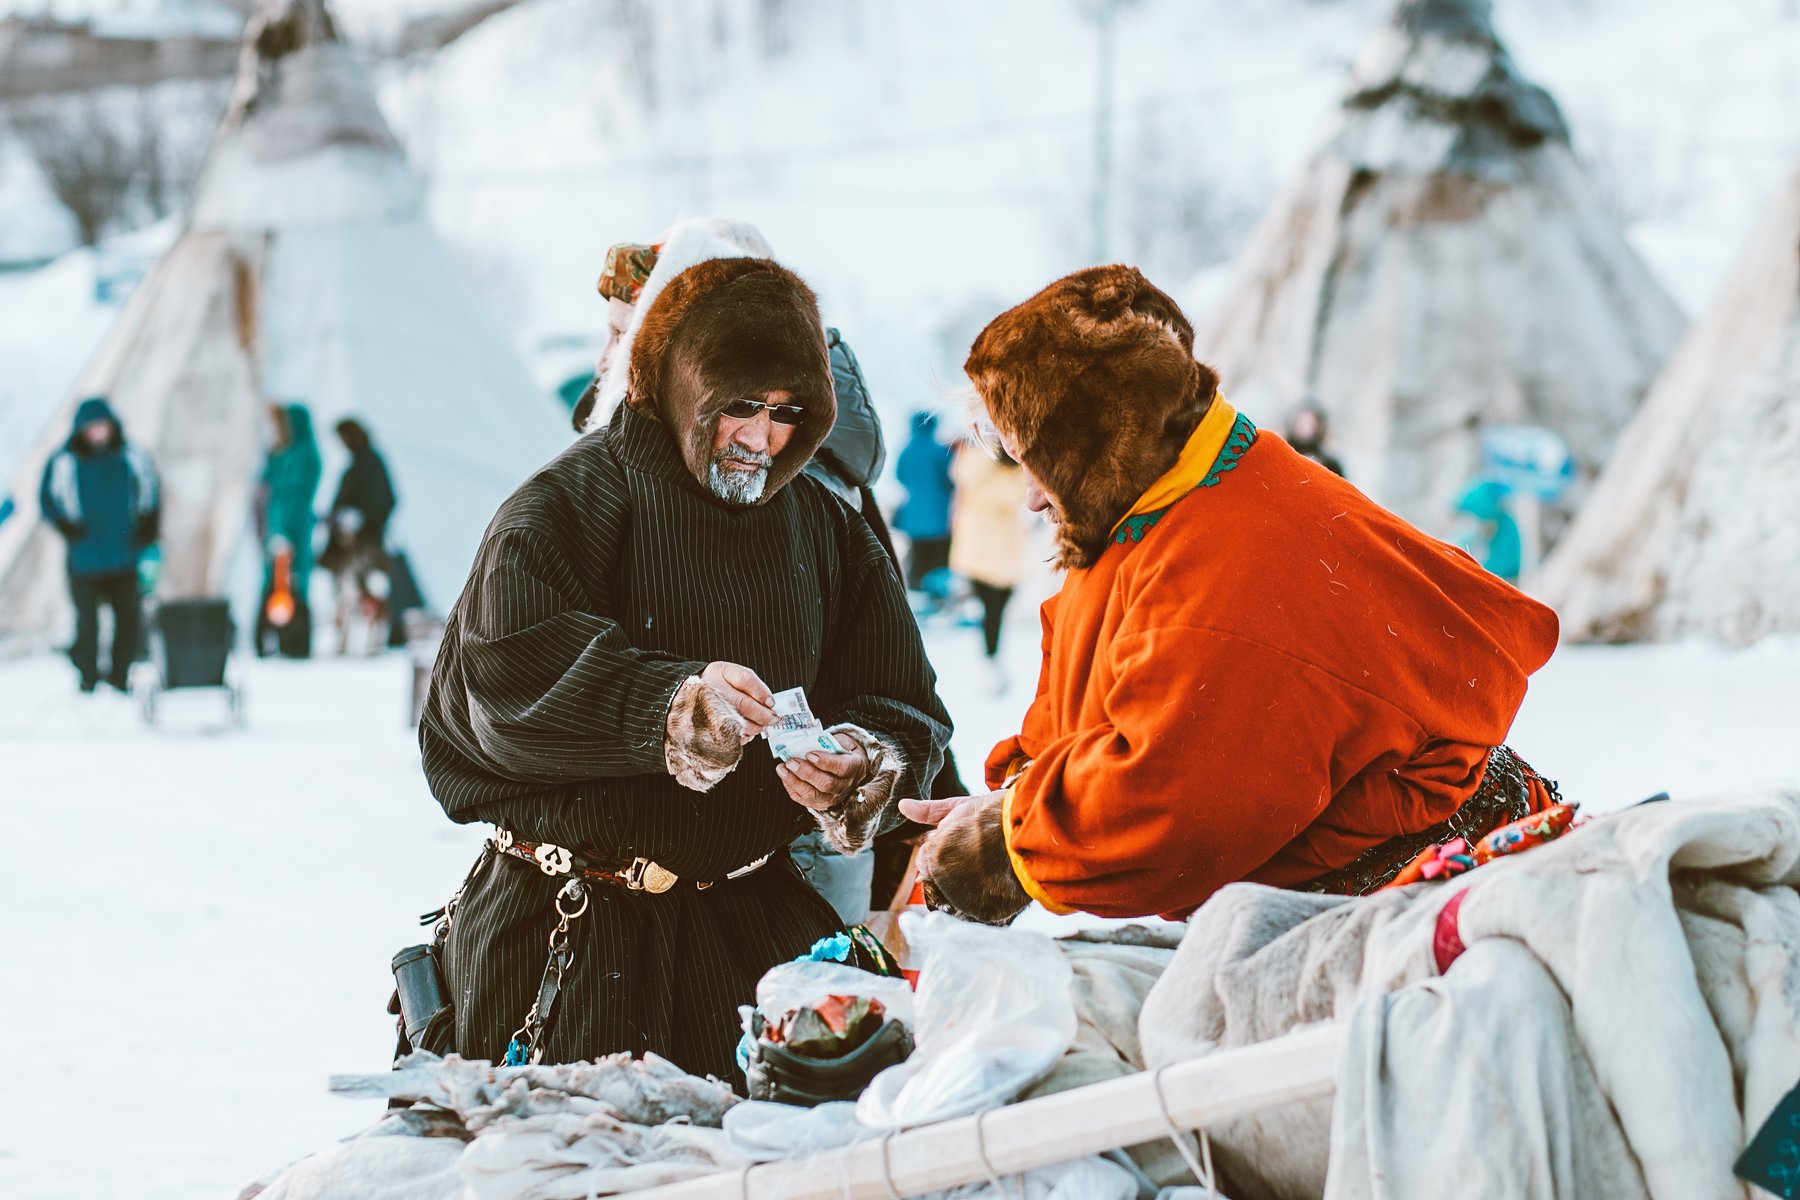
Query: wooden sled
x=1054, y=1129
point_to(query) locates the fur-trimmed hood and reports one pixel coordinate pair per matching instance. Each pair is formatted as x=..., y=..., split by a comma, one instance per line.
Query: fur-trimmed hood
x=724, y=329
x=1094, y=381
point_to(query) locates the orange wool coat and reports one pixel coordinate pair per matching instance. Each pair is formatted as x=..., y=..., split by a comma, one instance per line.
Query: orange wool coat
x=1279, y=676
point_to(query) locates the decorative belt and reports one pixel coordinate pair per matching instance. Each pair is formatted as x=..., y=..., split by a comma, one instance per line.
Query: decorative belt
x=1503, y=796
x=638, y=875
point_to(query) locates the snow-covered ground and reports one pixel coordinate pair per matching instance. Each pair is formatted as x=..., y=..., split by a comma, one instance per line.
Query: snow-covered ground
x=198, y=920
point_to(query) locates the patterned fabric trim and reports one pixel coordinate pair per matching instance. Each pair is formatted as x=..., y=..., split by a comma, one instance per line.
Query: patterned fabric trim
x=1241, y=438
x=1503, y=797
x=627, y=270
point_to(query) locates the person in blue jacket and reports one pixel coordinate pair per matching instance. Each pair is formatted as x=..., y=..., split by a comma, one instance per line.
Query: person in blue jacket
x=101, y=494
x=924, y=516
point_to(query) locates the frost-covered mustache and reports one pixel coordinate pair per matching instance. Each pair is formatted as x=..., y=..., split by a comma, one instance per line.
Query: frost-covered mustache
x=735, y=453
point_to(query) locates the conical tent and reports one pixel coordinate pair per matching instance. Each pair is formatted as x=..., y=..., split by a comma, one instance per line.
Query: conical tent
x=307, y=273
x=1441, y=265
x=1693, y=528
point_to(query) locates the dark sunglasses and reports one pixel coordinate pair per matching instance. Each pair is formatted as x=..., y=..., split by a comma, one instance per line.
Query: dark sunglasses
x=781, y=414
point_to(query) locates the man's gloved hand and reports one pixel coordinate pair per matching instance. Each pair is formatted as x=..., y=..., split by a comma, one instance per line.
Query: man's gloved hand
x=963, y=864
x=712, y=717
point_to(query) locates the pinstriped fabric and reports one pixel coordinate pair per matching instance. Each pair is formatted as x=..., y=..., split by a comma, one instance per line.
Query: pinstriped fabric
x=602, y=583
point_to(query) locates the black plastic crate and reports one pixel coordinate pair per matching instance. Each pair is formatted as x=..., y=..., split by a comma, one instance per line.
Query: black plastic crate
x=191, y=641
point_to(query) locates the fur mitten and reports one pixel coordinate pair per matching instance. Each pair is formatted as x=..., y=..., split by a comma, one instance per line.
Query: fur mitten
x=703, y=737
x=852, y=823
x=964, y=866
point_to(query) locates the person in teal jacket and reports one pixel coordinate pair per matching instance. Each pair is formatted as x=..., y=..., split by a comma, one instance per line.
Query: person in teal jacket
x=1496, y=542
x=290, y=481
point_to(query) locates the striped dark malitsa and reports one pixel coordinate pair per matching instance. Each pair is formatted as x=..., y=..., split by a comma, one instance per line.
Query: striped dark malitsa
x=604, y=582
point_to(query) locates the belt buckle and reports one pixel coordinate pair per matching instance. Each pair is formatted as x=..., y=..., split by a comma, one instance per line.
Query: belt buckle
x=642, y=875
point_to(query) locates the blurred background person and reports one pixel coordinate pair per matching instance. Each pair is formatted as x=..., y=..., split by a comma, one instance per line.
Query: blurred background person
x=290, y=481
x=365, y=494
x=987, y=540
x=1491, y=534
x=1307, y=431
x=923, y=470
x=355, y=550
x=100, y=492
x=854, y=452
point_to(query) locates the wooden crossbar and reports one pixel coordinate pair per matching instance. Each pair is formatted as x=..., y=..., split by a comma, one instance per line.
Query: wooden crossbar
x=1042, y=1132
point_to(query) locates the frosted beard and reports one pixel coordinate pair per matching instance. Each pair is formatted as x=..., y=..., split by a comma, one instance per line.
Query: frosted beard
x=737, y=486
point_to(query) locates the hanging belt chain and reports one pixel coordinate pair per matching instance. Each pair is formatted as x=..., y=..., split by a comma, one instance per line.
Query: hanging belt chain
x=527, y=1045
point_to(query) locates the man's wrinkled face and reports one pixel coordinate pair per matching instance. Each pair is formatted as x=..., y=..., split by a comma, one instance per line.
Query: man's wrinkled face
x=744, y=449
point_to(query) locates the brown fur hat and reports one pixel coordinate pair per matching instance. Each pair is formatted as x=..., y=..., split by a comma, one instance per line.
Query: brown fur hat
x=724, y=329
x=1095, y=382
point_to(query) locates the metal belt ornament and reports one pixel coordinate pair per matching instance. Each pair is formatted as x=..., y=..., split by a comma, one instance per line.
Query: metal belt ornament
x=527, y=1044
x=639, y=875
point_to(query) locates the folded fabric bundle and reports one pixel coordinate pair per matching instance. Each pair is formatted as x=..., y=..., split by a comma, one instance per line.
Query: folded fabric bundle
x=1625, y=997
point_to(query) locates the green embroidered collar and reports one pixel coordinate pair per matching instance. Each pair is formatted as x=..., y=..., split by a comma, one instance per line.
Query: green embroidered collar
x=1241, y=438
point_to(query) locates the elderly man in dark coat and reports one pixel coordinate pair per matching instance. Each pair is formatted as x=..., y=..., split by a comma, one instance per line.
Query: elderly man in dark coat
x=605, y=674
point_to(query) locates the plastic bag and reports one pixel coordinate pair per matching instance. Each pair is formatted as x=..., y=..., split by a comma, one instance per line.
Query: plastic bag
x=788, y=986
x=763, y=1132
x=995, y=1013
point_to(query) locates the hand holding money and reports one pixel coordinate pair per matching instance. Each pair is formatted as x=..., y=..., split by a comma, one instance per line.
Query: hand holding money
x=820, y=780
x=745, y=693
x=818, y=769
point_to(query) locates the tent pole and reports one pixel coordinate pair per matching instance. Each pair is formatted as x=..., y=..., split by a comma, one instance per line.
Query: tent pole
x=1051, y=1129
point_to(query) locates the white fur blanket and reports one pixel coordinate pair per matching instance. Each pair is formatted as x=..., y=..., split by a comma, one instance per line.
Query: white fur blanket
x=1625, y=1016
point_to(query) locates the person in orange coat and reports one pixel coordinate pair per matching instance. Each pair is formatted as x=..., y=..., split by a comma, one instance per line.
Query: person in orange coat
x=1252, y=671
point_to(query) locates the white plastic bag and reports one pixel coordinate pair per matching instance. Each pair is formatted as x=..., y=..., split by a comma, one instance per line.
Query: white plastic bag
x=995, y=1013
x=762, y=1131
x=791, y=985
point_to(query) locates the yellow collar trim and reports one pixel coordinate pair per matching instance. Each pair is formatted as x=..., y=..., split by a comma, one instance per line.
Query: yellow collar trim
x=1032, y=887
x=1197, y=458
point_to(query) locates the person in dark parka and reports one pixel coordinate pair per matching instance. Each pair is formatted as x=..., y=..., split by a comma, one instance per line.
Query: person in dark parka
x=366, y=488
x=101, y=494
x=606, y=670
